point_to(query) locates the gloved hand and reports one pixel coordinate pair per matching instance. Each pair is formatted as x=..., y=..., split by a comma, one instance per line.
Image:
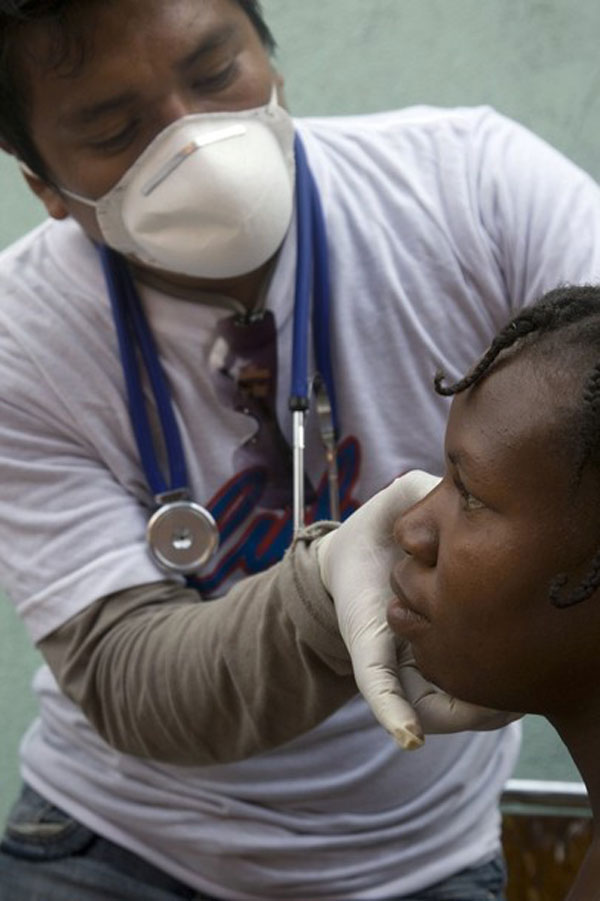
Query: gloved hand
x=355, y=563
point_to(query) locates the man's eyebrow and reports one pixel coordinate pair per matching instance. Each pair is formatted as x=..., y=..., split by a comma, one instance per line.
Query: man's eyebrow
x=210, y=42
x=87, y=115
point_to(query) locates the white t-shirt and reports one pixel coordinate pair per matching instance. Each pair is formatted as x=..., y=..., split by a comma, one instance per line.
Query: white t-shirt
x=441, y=224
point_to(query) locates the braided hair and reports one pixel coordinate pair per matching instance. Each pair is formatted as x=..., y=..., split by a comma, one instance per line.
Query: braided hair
x=565, y=321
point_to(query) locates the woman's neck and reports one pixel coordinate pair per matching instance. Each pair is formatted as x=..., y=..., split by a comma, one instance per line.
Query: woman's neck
x=581, y=734
x=587, y=884
x=580, y=731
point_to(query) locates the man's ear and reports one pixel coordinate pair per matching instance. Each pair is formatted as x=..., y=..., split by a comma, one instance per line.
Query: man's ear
x=50, y=197
x=279, y=82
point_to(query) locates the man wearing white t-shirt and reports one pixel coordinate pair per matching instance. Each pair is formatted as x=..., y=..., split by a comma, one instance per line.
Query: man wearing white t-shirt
x=220, y=750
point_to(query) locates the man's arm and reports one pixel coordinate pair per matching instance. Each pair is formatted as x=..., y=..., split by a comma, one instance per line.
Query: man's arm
x=160, y=674
x=163, y=675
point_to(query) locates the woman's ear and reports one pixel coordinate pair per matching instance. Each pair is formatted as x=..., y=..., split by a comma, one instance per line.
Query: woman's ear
x=50, y=197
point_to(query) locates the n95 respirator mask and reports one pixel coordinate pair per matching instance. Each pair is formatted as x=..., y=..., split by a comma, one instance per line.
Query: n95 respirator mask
x=211, y=196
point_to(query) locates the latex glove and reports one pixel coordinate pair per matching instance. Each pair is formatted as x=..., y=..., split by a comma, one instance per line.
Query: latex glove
x=355, y=563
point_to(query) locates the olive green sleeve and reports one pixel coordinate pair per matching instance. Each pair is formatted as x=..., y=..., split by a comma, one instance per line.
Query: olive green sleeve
x=162, y=674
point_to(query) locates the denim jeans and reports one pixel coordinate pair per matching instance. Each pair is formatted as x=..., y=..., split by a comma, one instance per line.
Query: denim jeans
x=46, y=855
x=485, y=883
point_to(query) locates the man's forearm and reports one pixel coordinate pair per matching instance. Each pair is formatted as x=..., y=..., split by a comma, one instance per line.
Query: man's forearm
x=162, y=675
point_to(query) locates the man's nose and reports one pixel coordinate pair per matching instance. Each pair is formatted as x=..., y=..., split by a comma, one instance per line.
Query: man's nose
x=182, y=101
x=416, y=533
x=176, y=106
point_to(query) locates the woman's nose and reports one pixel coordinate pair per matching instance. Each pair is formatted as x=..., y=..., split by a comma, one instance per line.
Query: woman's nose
x=416, y=533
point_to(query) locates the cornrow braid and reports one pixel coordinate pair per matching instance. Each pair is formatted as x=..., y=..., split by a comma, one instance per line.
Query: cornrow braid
x=571, y=314
x=591, y=423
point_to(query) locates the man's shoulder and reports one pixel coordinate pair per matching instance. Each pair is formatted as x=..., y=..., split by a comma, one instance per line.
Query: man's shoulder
x=407, y=144
x=50, y=299
x=47, y=259
x=24, y=244
x=413, y=119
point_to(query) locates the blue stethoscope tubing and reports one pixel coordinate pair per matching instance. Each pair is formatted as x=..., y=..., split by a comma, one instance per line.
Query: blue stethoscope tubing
x=312, y=272
x=133, y=334
x=133, y=329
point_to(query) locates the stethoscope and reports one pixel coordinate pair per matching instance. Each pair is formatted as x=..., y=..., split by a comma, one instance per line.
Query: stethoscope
x=182, y=535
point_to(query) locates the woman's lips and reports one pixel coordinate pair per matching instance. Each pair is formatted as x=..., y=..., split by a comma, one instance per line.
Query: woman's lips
x=403, y=617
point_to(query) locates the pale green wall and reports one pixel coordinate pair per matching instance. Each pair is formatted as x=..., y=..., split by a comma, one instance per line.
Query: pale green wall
x=537, y=61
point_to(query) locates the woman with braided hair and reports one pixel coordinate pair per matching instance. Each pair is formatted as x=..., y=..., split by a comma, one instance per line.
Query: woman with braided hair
x=498, y=589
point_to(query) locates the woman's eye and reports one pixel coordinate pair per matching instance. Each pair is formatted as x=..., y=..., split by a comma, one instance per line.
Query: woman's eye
x=469, y=501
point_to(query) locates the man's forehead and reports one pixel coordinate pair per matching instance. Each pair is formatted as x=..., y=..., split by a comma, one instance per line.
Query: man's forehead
x=88, y=68
x=90, y=34
x=108, y=96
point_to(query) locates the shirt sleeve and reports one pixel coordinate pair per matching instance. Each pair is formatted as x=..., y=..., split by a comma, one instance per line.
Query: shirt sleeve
x=539, y=211
x=162, y=675
x=70, y=531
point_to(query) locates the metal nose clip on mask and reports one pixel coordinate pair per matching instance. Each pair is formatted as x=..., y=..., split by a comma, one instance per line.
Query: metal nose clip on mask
x=182, y=535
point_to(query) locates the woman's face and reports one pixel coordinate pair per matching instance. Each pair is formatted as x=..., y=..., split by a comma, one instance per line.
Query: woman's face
x=484, y=546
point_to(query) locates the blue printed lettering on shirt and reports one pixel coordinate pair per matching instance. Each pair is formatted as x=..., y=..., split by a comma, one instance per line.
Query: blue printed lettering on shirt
x=265, y=535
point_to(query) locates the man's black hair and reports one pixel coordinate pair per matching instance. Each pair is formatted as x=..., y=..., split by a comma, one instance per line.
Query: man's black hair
x=62, y=16
x=564, y=326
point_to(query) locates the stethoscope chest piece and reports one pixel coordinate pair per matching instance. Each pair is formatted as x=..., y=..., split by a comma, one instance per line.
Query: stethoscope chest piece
x=182, y=536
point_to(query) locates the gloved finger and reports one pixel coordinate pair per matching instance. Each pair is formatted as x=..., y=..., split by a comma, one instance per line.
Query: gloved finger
x=394, y=712
x=380, y=513
x=375, y=672
x=442, y=713
x=367, y=537
x=439, y=712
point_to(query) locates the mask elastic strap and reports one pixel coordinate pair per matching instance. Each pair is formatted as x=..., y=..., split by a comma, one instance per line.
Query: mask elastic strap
x=26, y=170
x=78, y=197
